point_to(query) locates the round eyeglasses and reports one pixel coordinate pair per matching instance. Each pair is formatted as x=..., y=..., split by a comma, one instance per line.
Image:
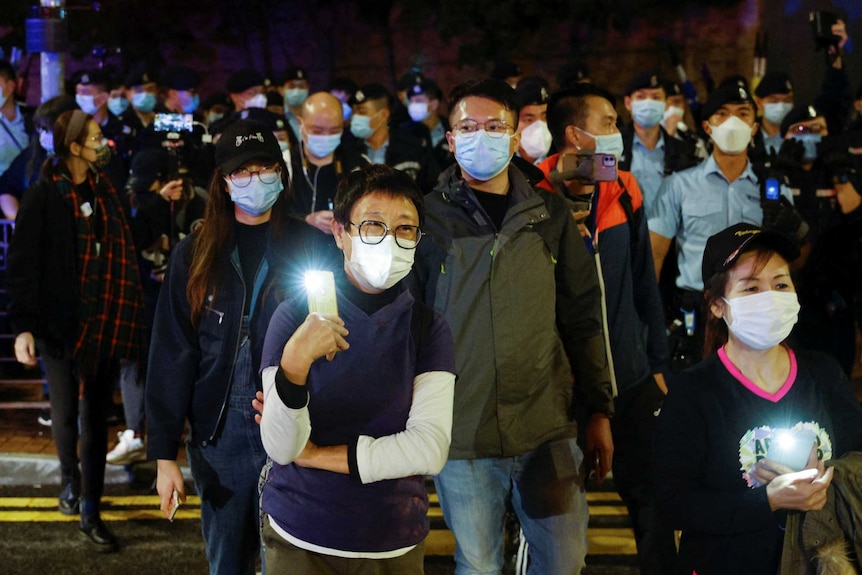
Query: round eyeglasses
x=373, y=232
x=494, y=128
x=267, y=175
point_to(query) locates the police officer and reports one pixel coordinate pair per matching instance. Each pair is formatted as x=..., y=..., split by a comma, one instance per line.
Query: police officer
x=423, y=107
x=380, y=145
x=649, y=153
x=142, y=91
x=245, y=90
x=182, y=90
x=774, y=98
x=532, y=97
x=294, y=89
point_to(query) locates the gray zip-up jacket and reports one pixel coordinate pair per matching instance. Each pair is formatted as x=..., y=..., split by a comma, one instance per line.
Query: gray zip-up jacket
x=522, y=303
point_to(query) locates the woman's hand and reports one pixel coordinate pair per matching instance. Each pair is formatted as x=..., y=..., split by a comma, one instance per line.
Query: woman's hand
x=800, y=490
x=318, y=336
x=766, y=470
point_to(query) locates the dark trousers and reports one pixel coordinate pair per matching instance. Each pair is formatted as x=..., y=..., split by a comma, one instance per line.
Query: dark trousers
x=632, y=426
x=69, y=402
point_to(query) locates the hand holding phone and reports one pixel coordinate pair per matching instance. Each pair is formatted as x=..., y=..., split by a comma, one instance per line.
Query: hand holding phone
x=175, y=504
x=791, y=448
x=320, y=287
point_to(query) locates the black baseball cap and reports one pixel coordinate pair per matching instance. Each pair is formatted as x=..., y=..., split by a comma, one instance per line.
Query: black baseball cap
x=244, y=140
x=149, y=165
x=724, y=248
x=643, y=81
x=773, y=83
x=730, y=93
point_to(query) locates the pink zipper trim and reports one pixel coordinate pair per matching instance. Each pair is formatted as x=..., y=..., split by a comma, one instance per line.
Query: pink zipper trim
x=752, y=387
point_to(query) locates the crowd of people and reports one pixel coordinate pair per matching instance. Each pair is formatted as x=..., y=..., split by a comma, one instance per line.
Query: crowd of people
x=528, y=290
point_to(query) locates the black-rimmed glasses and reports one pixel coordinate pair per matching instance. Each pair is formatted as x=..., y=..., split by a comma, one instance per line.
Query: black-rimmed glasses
x=373, y=232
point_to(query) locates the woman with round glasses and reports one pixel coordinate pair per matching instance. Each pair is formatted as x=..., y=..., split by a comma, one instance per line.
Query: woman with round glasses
x=222, y=284
x=743, y=436
x=359, y=404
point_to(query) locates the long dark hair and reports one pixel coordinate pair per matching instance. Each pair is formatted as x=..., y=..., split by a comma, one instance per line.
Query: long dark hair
x=714, y=289
x=61, y=128
x=44, y=119
x=207, y=257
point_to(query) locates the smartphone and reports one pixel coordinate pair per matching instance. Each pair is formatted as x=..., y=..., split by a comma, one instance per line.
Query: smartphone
x=175, y=504
x=589, y=167
x=773, y=189
x=173, y=123
x=791, y=448
x=320, y=288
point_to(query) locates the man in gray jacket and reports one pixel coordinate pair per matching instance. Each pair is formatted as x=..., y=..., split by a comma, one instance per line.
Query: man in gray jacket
x=510, y=272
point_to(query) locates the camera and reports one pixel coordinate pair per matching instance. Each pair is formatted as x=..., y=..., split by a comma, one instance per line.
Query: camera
x=173, y=124
x=588, y=168
x=821, y=25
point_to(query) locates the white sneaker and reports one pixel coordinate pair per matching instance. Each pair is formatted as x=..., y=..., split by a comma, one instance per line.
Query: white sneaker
x=130, y=449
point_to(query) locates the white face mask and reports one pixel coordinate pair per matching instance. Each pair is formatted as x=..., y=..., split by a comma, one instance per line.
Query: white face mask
x=86, y=103
x=762, y=320
x=776, y=111
x=258, y=101
x=379, y=266
x=673, y=111
x=418, y=111
x=46, y=140
x=536, y=139
x=732, y=136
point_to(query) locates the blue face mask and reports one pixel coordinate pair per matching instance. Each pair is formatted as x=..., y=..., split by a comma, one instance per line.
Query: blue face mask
x=607, y=144
x=295, y=96
x=776, y=111
x=810, y=141
x=214, y=117
x=647, y=113
x=482, y=156
x=257, y=197
x=360, y=126
x=346, y=110
x=144, y=101
x=118, y=105
x=188, y=101
x=321, y=145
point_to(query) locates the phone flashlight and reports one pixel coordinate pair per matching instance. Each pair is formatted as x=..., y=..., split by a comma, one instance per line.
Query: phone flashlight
x=320, y=289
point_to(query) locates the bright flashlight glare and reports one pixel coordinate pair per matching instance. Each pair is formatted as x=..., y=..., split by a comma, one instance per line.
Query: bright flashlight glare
x=314, y=282
x=785, y=440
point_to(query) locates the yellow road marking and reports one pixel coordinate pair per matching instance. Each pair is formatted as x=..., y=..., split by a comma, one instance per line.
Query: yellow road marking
x=108, y=500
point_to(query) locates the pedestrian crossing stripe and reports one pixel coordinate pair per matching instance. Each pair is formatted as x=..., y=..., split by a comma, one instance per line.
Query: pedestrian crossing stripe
x=605, y=541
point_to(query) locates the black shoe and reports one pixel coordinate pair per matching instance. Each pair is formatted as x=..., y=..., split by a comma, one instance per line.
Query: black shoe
x=70, y=493
x=98, y=533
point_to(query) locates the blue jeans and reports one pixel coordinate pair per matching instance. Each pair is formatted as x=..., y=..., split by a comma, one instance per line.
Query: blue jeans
x=226, y=474
x=545, y=488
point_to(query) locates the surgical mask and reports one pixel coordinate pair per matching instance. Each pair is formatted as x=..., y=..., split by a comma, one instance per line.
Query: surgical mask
x=536, y=139
x=283, y=145
x=418, y=111
x=346, y=110
x=647, y=113
x=360, y=126
x=214, y=117
x=87, y=103
x=321, y=145
x=673, y=111
x=732, y=136
x=257, y=197
x=46, y=140
x=258, y=101
x=189, y=102
x=607, y=143
x=482, y=156
x=776, y=112
x=118, y=105
x=379, y=266
x=295, y=96
x=810, y=141
x=144, y=101
x=762, y=320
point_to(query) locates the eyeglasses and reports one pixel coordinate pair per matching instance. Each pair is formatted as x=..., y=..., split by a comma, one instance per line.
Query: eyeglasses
x=373, y=232
x=266, y=174
x=494, y=128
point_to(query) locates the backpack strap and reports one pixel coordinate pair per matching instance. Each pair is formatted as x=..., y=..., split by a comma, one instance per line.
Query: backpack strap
x=632, y=218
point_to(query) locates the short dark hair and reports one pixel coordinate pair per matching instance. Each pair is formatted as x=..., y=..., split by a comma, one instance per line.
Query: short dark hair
x=7, y=70
x=496, y=90
x=371, y=179
x=570, y=108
